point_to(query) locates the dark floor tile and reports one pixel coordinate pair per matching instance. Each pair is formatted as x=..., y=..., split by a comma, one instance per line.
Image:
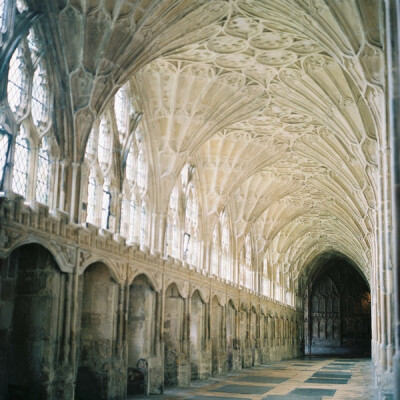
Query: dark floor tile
x=332, y=374
x=313, y=392
x=242, y=389
x=300, y=365
x=340, y=364
x=331, y=381
x=336, y=369
x=262, y=379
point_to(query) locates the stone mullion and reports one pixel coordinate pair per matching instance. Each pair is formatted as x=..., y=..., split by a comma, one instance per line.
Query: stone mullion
x=74, y=193
x=54, y=186
x=62, y=185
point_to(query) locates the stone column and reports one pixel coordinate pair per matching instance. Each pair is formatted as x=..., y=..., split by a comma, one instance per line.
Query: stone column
x=392, y=8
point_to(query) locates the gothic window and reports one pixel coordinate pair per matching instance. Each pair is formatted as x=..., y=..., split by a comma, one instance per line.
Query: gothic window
x=21, y=164
x=99, y=162
x=3, y=11
x=134, y=170
x=29, y=101
x=17, y=87
x=43, y=173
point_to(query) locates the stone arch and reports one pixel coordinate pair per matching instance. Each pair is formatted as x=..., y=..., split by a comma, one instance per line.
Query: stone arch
x=337, y=308
x=111, y=266
x=64, y=256
x=36, y=329
x=151, y=279
x=202, y=293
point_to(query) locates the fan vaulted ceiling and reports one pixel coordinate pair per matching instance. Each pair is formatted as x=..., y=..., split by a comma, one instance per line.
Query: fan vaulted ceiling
x=278, y=104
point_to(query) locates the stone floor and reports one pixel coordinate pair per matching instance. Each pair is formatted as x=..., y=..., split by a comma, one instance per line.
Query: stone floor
x=301, y=379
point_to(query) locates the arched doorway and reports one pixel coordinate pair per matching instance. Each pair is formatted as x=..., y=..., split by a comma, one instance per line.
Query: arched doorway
x=338, y=311
x=31, y=307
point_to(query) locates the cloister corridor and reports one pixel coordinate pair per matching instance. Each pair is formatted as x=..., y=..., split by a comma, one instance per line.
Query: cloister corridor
x=199, y=199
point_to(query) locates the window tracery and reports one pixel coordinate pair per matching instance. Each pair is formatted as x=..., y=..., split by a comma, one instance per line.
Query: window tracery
x=21, y=163
x=5, y=145
x=32, y=151
x=116, y=162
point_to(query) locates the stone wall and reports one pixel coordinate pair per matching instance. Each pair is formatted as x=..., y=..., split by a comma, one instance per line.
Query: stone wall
x=83, y=315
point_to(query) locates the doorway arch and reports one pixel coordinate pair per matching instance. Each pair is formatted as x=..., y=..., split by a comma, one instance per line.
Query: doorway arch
x=337, y=310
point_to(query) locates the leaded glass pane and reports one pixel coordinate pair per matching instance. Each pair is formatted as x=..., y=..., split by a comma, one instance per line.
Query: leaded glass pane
x=132, y=216
x=17, y=81
x=105, y=207
x=90, y=145
x=130, y=165
x=91, y=204
x=43, y=174
x=124, y=221
x=4, y=149
x=141, y=171
x=104, y=145
x=3, y=16
x=120, y=107
x=39, y=96
x=21, y=166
